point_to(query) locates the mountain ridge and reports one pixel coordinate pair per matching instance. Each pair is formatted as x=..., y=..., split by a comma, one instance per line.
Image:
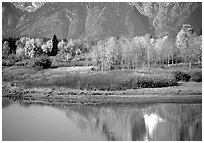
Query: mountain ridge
x=70, y=20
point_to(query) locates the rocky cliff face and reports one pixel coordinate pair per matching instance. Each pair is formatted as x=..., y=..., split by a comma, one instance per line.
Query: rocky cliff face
x=168, y=17
x=28, y=6
x=74, y=20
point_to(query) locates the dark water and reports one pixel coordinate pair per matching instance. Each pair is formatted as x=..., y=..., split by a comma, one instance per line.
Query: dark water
x=119, y=122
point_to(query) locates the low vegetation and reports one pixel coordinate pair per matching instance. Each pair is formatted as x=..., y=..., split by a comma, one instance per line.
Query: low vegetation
x=91, y=80
x=96, y=80
x=42, y=62
x=110, y=81
x=181, y=76
x=196, y=75
x=188, y=75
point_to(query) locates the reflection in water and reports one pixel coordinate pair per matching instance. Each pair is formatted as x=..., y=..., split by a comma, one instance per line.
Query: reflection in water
x=154, y=122
x=123, y=122
x=138, y=128
x=151, y=122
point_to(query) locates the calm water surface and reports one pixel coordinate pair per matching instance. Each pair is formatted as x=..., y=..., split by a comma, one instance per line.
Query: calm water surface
x=117, y=122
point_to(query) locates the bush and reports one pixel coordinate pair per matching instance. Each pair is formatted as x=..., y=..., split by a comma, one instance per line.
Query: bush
x=181, y=76
x=5, y=50
x=196, y=75
x=56, y=64
x=8, y=63
x=13, y=57
x=22, y=63
x=11, y=60
x=42, y=62
x=78, y=58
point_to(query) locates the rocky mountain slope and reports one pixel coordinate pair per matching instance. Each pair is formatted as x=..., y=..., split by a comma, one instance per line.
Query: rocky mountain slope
x=80, y=20
x=168, y=17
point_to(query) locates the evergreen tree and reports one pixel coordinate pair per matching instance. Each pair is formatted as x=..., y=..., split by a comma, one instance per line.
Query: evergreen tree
x=54, y=44
x=12, y=44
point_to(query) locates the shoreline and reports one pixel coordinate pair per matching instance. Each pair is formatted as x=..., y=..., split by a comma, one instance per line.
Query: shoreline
x=186, y=92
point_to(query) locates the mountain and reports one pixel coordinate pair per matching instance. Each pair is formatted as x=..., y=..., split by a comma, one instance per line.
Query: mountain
x=10, y=18
x=75, y=20
x=168, y=17
x=28, y=6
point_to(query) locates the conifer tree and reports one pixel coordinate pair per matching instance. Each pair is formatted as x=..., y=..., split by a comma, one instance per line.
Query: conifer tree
x=54, y=44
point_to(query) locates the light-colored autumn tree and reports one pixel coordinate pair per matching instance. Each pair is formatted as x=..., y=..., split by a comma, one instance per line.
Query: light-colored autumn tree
x=183, y=41
x=196, y=48
x=5, y=49
x=124, y=45
x=167, y=51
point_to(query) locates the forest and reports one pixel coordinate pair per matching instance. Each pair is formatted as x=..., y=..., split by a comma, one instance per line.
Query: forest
x=123, y=52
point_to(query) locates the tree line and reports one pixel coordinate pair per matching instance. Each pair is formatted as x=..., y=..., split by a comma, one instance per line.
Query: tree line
x=146, y=51
x=114, y=53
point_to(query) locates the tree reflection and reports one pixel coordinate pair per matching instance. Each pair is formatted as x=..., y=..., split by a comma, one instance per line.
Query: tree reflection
x=138, y=128
x=132, y=122
x=165, y=121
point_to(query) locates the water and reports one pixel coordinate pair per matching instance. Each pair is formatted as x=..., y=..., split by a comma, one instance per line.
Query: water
x=117, y=122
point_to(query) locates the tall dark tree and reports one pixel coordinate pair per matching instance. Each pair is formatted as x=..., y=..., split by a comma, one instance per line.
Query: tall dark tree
x=12, y=45
x=200, y=32
x=54, y=44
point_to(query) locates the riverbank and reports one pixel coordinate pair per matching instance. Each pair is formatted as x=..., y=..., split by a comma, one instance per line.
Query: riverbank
x=189, y=92
x=14, y=87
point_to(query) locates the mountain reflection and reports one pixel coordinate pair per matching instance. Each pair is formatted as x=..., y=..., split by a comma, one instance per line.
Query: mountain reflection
x=153, y=122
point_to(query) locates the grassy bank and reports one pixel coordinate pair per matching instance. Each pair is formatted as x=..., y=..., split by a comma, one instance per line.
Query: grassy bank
x=82, y=85
x=85, y=78
x=89, y=79
x=187, y=92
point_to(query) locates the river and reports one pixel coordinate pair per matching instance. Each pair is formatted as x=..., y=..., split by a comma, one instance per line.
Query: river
x=34, y=122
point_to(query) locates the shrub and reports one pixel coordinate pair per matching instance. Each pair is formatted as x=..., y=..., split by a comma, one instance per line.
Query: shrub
x=22, y=63
x=157, y=80
x=42, y=62
x=196, y=75
x=78, y=58
x=5, y=50
x=68, y=64
x=8, y=62
x=181, y=76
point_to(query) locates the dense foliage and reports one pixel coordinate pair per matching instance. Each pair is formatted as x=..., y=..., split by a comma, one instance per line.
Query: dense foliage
x=145, y=51
x=123, y=52
x=187, y=43
x=112, y=80
x=42, y=62
x=182, y=76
